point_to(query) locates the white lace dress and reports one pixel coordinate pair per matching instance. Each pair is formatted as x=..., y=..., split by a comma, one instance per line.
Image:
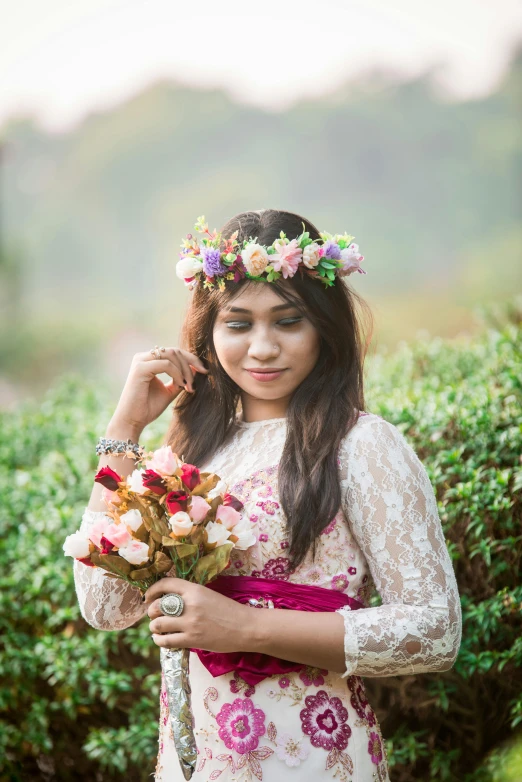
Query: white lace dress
x=315, y=724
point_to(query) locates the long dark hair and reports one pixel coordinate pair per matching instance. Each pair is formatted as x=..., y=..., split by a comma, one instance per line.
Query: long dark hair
x=323, y=408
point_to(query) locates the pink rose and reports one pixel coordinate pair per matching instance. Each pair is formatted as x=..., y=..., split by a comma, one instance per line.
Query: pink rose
x=97, y=530
x=164, y=461
x=136, y=552
x=118, y=535
x=286, y=258
x=110, y=497
x=228, y=515
x=198, y=509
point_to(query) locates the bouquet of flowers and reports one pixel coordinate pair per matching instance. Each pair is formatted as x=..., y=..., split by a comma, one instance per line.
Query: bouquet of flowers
x=165, y=516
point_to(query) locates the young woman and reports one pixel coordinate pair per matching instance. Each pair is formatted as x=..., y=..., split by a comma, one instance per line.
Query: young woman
x=269, y=395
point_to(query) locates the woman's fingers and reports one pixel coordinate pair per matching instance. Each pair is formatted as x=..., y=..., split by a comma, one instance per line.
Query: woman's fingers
x=172, y=641
x=166, y=624
x=157, y=366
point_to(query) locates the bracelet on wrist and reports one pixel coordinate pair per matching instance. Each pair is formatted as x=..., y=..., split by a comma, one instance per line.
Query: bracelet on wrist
x=107, y=445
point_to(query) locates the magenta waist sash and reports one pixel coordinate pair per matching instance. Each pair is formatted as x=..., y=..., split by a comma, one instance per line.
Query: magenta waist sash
x=253, y=667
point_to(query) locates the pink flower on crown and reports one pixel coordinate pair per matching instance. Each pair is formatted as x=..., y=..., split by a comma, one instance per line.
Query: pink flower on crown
x=286, y=258
x=351, y=260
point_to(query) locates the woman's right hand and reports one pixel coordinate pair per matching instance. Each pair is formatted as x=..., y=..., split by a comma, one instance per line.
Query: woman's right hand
x=145, y=396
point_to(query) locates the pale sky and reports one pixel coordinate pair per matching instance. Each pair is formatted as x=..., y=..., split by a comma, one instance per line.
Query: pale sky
x=60, y=59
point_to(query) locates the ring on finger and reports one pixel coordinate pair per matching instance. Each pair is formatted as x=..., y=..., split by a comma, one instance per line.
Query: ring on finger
x=157, y=351
x=172, y=604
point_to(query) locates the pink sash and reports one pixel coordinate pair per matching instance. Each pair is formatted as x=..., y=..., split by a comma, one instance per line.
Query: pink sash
x=253, y=667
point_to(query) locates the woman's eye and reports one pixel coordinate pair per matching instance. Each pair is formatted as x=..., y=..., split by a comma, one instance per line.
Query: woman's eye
x=240, y=324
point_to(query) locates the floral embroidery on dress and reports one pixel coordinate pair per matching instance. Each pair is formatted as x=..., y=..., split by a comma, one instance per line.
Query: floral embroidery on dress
x=241, y=724
x=313, y=676
x=325, y=720
x=291, y=751
x=278, y=568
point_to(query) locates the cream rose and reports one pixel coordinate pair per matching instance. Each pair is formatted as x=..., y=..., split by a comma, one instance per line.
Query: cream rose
x=180, y=523
x=217, y=534
x=135, y=482
x=136, y=552
x=76, y=545
x=311, y=255
x=243, y=532
x=255, y=259
x=188, y=267
x=132, y=519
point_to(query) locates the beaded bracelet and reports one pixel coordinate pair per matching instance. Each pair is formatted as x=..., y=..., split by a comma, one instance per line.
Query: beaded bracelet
x=106, y=445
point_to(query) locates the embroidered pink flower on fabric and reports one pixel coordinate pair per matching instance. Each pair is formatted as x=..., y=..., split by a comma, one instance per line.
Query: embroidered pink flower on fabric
x=240, y=725
x=352, y=571
x=266, y=491
x=340, y=582
x=263, y=537
x=276, y=568
x=359, y=700
x=253, y=518
x=325, y=720
x=284, y=682
x=284, y=544
x=313, y=676
x=238, y=563
x=375, y=748
x=290, y=750
x=269, y=506
x=330, y=527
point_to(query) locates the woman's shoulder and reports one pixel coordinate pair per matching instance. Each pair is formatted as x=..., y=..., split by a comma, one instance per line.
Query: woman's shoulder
x=374, y=428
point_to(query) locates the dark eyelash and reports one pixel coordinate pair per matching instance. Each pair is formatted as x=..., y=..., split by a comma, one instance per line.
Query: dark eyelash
x=239, y=328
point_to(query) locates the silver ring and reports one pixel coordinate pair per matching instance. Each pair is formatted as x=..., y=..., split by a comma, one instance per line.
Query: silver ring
x=172, y=604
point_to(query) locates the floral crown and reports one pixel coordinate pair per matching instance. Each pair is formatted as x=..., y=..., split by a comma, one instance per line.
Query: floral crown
x=202, y=261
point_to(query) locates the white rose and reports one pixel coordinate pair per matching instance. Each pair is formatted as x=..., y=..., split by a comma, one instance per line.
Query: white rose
x=135, y=482
x=217, y=534
x=132, y=519
x=188, y=267
x=136, y=552
x=76, y=545
x=255, y=259
x=311, y=255
x=244, y=534
x=181, y=523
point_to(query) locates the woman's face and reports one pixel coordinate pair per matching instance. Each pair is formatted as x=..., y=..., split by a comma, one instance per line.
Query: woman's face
x=257, y=330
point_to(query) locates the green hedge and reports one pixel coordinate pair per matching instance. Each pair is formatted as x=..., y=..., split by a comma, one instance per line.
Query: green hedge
x=76, y=703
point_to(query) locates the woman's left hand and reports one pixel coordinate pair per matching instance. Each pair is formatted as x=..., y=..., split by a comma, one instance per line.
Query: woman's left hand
x=209, y=620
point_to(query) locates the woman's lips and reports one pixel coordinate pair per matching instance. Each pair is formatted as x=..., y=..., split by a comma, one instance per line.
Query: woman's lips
x=265, y=377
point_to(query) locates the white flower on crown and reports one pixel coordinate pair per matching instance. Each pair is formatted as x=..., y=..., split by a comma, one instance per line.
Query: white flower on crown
x=311, y=255
x=255, y=259
x=188, y=267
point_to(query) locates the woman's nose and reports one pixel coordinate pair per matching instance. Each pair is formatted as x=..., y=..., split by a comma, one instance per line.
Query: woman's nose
x=262, y=347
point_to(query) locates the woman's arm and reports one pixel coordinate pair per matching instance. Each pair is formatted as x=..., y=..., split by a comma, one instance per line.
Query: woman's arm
x=107, y=603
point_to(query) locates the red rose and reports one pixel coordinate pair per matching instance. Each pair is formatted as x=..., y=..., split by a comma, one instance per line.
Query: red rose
x=190, y=476
x=229, y=499
x=108, y=478
x=106, y=545
x=153, y=481
x=176, y=501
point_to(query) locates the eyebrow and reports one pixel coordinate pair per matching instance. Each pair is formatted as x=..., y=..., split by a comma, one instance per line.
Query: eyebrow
x=272, y=309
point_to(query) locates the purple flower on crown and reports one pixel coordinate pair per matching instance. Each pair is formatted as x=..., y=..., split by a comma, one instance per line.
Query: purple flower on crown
x=332, y=251
x=212, y=265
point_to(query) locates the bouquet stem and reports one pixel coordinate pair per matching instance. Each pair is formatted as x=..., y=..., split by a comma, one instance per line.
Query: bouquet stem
x=175, y=666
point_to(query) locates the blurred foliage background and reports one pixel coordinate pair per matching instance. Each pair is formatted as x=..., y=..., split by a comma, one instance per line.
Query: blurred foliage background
x=82, y=704
x=92, y=218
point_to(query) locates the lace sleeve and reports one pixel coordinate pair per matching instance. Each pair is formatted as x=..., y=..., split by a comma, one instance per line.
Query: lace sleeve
x=392, y=511
x=105, y=603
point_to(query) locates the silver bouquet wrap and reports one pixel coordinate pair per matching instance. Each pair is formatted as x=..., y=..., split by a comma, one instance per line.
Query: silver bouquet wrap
x=175, y=667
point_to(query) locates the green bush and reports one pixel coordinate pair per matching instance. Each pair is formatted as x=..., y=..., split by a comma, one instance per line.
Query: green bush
x=80, y=704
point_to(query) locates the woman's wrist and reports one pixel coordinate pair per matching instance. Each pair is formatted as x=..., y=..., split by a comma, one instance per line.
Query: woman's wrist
x=119, y=430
